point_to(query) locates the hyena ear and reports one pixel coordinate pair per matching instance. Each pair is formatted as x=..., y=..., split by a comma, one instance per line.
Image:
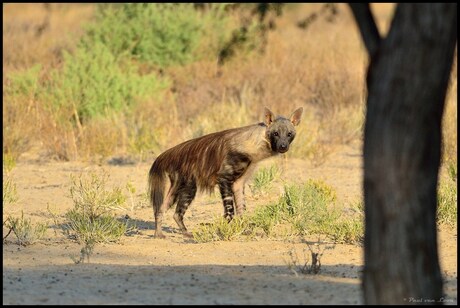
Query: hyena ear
x=296, y=115
x=269, y=117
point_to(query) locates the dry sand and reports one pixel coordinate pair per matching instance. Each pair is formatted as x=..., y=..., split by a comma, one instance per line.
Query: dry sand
x=177, y=270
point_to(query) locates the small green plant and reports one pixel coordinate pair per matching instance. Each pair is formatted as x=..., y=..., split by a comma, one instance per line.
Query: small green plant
x=92, y=220
x=264, y=178
x=90, y=196
x=222, y=230
x=266, y=218
x=8, y=163
x=310, y=208
x=100, y=229
x=10, y=194
x=447, y=202
x=26, y=232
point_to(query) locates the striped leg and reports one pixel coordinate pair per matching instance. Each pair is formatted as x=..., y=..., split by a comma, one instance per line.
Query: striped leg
x=185, y=194
x=230, y=185
x=238, y=190
x=167, y=203
x=225, y=187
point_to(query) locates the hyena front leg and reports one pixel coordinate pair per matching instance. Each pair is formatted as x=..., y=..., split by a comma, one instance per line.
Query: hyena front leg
x=185, y=194
x=225, y=187
x=238, y=190
x=238, y=193
x=231, y=183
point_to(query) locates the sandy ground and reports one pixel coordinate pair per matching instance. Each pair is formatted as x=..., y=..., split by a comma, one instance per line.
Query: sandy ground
x=177, y=270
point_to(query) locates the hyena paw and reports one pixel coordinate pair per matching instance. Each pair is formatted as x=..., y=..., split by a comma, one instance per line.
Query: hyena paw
x=159, y=235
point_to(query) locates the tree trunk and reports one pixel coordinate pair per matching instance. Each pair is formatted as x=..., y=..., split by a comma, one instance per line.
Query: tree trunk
x=407, y=82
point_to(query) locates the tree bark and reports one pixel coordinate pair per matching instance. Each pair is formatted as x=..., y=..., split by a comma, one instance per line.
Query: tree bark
x=407, y=82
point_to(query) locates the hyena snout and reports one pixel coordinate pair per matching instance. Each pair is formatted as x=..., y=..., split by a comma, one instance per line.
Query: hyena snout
x=280, y=141
x=283, y=147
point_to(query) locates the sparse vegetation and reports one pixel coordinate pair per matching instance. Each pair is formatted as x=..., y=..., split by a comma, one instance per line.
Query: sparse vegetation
x=263, y=179
x=305, y=209
x=25, y=231
x=10, y=194
x=222, y=230
x=311, y=263
x=92, y=218
x=447, y=202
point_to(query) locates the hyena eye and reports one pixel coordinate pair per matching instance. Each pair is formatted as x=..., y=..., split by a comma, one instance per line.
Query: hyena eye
x=275, y=134
x=289, y=134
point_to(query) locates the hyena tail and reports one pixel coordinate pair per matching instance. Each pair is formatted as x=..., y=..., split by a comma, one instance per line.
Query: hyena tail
x=157, y=178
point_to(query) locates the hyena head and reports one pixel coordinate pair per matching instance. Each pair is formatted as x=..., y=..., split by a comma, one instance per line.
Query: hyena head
x=281, y=131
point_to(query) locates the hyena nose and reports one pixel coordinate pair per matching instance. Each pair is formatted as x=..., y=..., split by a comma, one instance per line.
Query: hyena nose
x=283, y=148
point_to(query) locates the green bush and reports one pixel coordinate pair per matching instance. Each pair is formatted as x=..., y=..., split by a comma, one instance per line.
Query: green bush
x=161, y=34
x=222, y=230
x=95, y=83
x=26, y=232
x=264, y=178
x=24, y=83
x=267, y=218
x=308, y=209
x=100, y=229
x=92, y=219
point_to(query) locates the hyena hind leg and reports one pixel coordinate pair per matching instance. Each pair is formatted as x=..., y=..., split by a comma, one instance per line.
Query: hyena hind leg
x=168, y=201
x=185, y=195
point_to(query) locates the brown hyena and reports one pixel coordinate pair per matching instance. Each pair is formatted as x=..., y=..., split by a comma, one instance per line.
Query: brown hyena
x=224, y=158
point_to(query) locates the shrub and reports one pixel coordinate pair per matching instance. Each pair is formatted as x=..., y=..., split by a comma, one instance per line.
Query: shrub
x=19, y=101
x=26, y=232
x=266, y=218
x=93, y=82
x=308, y=209
x=264, y=178
x=161, y=34
x=92, y=219
x=87, y=229
x=222, y=230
